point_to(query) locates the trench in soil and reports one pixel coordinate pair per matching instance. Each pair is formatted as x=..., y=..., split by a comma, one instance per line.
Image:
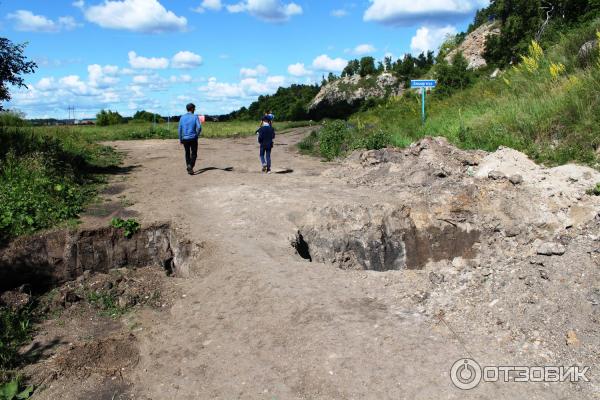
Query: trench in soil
x=45, y=261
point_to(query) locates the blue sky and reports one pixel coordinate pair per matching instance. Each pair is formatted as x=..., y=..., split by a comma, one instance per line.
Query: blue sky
x=158, y=55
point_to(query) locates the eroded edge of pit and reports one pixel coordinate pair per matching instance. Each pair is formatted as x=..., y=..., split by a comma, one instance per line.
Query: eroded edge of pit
x=47, y=260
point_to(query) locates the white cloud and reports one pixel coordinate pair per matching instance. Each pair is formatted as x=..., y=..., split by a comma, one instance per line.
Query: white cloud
x=186, y=60
x=428, y=38
x=325, y=63
x=139, y=62
x=267, y=10
x=299, y=69
x=26, y=21
x=411, y=12
x=340, y=13
x=260, y=70
x=148, y=16
x=363, y=49
x=213, y=5
x=102, y=76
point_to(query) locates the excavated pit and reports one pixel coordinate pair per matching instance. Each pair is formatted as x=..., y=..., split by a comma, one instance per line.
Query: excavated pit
x=381, y=239
x=48, y=260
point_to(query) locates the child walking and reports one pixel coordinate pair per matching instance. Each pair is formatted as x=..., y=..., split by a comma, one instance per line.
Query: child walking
x=266, y=135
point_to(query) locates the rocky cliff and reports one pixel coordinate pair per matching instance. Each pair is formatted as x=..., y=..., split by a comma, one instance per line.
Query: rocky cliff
x=473, y=46
x=344, y=96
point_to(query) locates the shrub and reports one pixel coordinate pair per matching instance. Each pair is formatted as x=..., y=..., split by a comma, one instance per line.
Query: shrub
x=333, y=139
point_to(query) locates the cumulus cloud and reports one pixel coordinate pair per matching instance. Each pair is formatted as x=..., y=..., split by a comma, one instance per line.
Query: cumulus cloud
x=26, y=21
x=412, y=12
x=299, y=70
x=139, y=62
x=147, y=16
x=103, y=76
x=213, y=5
x=363, y=49
x=428, y=38
x=244, y=90
x=328, y=64
x=260, y=70
x=186, y=60
x=267, y=10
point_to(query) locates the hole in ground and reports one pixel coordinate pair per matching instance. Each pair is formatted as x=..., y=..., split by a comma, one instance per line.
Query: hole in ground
x=301, y=247
x=47, y=260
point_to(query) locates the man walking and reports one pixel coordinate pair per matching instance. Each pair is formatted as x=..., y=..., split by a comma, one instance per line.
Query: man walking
x=266, y=135
x=189, y=131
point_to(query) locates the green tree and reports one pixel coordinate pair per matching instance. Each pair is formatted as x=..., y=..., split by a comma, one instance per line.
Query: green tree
x=455, y=76
x=367, y=66
x=13, y=64
x=105, y=118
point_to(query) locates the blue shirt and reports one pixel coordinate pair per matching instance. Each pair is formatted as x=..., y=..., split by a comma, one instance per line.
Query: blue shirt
x=189, y=127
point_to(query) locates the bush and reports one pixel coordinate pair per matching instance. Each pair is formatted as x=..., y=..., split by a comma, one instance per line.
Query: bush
x=455, y=76
x=334, y=139
x=15, y=329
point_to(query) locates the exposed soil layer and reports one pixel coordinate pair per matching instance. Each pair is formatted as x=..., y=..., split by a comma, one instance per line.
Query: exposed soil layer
x=49, y=259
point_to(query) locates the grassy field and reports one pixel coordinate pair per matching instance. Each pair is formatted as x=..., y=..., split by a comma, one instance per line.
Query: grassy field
x=139, y=130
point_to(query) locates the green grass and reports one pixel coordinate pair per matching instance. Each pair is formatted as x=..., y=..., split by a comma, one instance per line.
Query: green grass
x=147, y=130
x=15, y=331
x=553, y=119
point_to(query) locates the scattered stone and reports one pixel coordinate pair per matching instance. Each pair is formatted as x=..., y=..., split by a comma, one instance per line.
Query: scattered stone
x=572, y=339
x=544, y=274
x=512, y=231
x=496, y=175
x=550, y=249
x=436, y=278
x=594, y=296
x=536, y=261
x=15, y=300
x=516, y=179
x=107, y=285
x=420, y=296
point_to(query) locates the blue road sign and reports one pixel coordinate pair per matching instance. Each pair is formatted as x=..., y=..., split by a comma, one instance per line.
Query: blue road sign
x=423, y=84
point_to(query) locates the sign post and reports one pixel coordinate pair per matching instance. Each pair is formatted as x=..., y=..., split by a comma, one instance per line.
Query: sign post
x=423, y=85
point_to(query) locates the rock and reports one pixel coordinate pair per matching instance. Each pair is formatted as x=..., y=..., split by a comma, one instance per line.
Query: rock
x=516, y=179
x=436, y=278
x=345, y=95
x=572, y=339
x=586, y=52
x=594, y=296
x=473, y=47
x=107, y=285
x=420, y=296
x=441, y=172
x=551, y=249
x=512, y=231
x=544, y=274
x=496, y=175
x=495, y=73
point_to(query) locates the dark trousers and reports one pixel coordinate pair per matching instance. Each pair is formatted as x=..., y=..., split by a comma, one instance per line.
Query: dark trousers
x=191, y=152
x=265, y=155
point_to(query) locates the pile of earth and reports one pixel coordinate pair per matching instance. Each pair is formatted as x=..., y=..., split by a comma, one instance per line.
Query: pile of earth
x=490, y=244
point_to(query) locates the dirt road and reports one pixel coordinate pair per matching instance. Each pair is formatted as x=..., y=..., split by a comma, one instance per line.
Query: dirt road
x=254, y=320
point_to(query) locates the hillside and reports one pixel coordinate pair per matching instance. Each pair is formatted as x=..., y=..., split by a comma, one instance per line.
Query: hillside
x=548, y=106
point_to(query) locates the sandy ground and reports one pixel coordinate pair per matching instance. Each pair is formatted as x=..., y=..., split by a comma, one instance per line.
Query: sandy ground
x=254, y=320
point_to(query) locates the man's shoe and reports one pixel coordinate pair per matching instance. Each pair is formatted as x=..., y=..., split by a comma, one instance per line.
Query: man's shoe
x=190, y=170
x=264, y=169
x=268, y=170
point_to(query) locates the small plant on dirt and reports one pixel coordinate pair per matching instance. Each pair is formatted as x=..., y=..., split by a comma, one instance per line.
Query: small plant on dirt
x=14, y=390
x=130, y=227
x=307, y=145
x=595, y=191
x=334, y=138
x=107, y=303
x=15, y=329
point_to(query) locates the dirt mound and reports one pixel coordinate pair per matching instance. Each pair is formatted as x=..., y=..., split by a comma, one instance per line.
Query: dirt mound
x=438, y=202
